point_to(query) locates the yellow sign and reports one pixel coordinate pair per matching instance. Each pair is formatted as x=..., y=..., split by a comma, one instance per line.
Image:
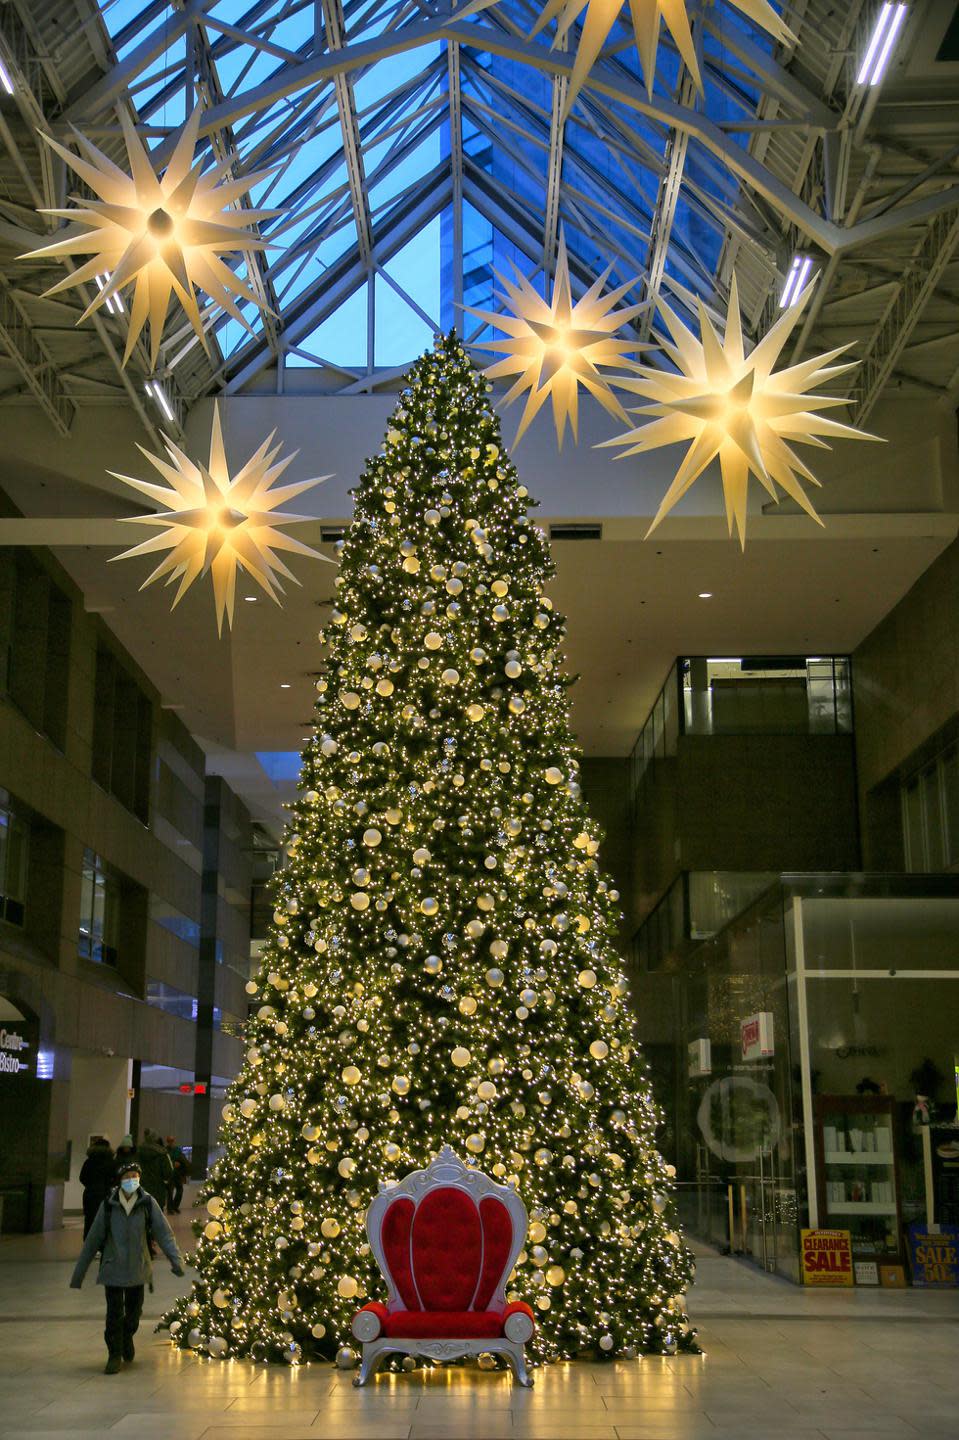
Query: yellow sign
x=826, y=1257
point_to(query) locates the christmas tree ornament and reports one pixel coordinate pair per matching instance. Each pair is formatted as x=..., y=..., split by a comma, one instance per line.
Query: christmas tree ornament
x=217, y=522
x=441, y=966
x=163, y=234
x=557, y=346
x=734, y=405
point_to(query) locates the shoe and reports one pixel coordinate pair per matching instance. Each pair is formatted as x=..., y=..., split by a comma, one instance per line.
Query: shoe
x=128, y=1351
x=113, y=1366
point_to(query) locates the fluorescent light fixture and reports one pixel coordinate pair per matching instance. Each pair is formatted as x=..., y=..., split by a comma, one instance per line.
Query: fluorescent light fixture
x=157, y=393
x=114, y=304
x=888, y=24
x=5, y=80
x=284, y=684
x=795, y=280
x=705, y=594
x=251, y=598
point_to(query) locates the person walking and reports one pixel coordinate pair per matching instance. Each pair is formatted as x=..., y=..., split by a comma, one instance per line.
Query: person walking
x=126, y=1151
x=156, y=1167
x=181, y=1174
x=123, y=1231
x=97, y=1178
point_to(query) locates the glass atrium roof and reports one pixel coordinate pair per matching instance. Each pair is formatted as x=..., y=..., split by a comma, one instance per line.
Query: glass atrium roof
x=407, y=180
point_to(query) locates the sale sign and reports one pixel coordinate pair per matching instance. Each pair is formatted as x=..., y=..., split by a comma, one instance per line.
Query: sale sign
x=826, y=1257
x=934, y=1255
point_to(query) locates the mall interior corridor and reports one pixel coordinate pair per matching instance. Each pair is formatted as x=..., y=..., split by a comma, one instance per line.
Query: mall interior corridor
x=780, y=1363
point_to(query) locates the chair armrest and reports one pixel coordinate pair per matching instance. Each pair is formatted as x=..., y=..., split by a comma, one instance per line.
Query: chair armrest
x=368, y=1323
x=518, y=1322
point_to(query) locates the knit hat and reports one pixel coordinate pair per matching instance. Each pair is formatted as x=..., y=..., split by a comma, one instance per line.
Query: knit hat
x=129, y=1167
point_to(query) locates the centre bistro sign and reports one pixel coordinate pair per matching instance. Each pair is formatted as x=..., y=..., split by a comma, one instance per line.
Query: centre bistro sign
x=756, y=1036
x=11, y=1044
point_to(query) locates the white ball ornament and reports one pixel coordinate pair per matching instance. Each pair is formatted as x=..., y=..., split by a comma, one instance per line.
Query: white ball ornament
x=486, y=1090
x=328, y=746
x=349, y=699
x=345, y=1358
x=346, y=1287
x=214, y=1206
x=450, y=677
x=421, y=856
x=194, y=1339
x=217, y=1347
x=475, y=1143
x=494, y=978
x=277, y=1102
x=606, y=1342
x=554, y=776
x=360, y=900
x=247, y=1108
x=401, y=1085
x=429, y=905
x=599, y=1049
x=384, y=686
x=318, y=1331
x=433, y=965
x=432, y=517
x=371, y=838
x=587, y=978
x=346, y=1167
x=514, y=669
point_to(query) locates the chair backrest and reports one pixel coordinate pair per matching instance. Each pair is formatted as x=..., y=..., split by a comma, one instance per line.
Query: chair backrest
x=447, y=1237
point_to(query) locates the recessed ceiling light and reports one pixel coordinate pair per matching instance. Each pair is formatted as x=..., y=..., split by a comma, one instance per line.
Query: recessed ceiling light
x=250, y=597
x=284, y=685
x=705, y=594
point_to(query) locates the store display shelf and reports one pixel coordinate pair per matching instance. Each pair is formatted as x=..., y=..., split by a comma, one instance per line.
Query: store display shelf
x=859, y=1157
x=862, y=1207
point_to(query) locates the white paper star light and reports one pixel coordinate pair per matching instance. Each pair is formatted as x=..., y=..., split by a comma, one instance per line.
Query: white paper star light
x=737, y=407
x=556, y=346
x=602, y=15
x=218, y=522
x=164, y=233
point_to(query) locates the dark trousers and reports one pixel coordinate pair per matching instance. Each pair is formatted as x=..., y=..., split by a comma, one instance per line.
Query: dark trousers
x=124, y=1305
x=174, y=1193
x=91, y=1204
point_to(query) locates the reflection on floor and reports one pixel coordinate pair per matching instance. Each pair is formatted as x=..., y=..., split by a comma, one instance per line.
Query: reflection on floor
x=780, y=1364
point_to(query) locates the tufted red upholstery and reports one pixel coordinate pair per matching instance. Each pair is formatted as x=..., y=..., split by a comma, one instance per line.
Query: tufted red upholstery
x=447, y=1249
x=497, y=1235
x=397, y=1224
x=459, y=1324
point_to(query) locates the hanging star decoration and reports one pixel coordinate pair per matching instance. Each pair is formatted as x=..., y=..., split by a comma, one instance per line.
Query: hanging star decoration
x=212, y=521
x=164, y=234
x=602, y=16
x=556, y=346
x=736, y=406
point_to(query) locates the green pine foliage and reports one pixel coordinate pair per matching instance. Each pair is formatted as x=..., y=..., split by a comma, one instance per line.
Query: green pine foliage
x=441, y=968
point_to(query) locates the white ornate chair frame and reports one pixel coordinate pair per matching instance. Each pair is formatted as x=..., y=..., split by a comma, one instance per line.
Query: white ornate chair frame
x=445, y=1170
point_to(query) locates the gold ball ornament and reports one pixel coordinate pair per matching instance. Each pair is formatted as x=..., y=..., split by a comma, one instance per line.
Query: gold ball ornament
x=587, y=978
x=599, y=1049
x=461, y=1057
x=360, y=900
x=351, y=1075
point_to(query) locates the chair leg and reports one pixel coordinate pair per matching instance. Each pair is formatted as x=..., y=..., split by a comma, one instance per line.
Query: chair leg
x=517, y=1359
x=369, y=1365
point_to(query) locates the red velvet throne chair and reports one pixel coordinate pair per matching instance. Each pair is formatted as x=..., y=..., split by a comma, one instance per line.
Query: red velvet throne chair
x=446, y=1240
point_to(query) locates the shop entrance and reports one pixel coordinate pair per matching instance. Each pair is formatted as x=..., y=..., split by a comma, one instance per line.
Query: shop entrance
x=24, y=1118
x=99, y=1105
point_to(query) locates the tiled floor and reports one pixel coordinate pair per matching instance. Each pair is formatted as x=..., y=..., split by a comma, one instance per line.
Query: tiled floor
x=780, y=1364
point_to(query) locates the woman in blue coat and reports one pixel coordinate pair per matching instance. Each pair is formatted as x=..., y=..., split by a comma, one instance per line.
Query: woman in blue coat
x=128, y=1221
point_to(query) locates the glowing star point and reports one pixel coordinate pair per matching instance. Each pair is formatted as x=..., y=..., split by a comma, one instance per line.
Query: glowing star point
x=556, y=346
x=162, y=234
x=212, y=520
x=737, y=408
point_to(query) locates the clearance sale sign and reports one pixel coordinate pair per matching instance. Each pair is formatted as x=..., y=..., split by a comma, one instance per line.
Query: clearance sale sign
x=826, y=1258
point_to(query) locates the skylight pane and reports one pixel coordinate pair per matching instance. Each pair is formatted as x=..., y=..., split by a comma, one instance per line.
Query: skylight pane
x=341, y=338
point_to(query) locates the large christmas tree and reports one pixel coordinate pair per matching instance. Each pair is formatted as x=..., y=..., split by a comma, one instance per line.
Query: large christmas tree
x=440, y=967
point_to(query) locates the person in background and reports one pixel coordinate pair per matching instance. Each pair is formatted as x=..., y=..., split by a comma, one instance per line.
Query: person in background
x=97, y=1178
x=156, y=1167
x=181, y=1174
x=126, y=1151
x=123, y=1230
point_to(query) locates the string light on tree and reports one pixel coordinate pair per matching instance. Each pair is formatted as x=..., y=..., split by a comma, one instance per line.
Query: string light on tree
x=555, y=347
x=452, y=1006
x=164, y=234
x=734, y=405
x=217, y=522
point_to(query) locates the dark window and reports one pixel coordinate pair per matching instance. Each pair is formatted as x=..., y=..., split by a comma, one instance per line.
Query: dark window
x=35, y=619
x=122, y=736
x=14, y=845
x=99, y=912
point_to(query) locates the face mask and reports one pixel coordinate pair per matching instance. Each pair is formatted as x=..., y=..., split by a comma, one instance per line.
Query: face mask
x=130, y=1185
